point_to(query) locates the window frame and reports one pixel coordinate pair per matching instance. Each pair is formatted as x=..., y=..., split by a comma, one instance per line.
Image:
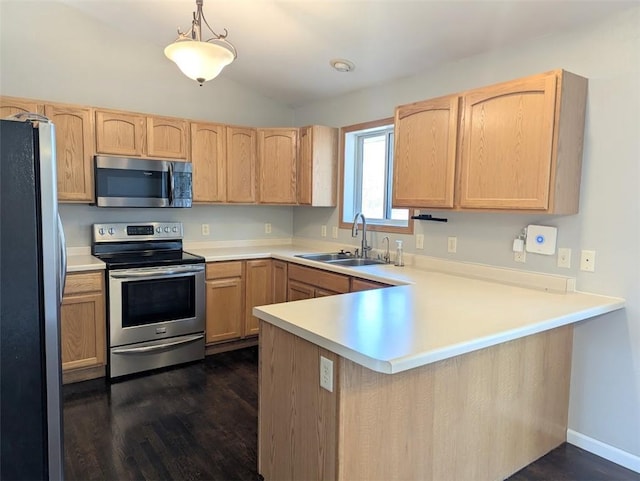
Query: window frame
x=370, y=226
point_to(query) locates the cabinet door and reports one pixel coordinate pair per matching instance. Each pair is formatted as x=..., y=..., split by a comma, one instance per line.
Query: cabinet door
x=279, y=281
x=225, y=309
x=277, y=159
x=259, y=292
x=241, y=165
x=425, y=153
x=82, y=325
x=168, y=138
x=74, y=151
x=120, y=133
x=12, y=105
x=507, y=147
x=297, y=291
x=208, y=158
x=358, y=284
x=317, y=166
x=318, y=292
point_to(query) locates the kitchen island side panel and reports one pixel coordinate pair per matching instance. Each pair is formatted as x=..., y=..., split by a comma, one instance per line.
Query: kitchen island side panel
x=482, y=415
x=297, y=424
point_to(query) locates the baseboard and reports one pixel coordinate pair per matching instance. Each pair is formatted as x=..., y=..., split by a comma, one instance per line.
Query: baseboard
x=603, y=450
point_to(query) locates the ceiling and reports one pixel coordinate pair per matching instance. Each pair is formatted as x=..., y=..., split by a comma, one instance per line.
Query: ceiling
x=284, y=47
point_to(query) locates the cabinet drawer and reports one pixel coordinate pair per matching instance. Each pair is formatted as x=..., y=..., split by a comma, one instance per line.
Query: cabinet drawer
x=220, y=270
x=84, y=282
x=319, y=278
x=358, y=284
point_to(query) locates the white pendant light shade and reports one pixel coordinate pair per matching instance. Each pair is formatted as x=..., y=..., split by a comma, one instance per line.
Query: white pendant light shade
x=200, y=61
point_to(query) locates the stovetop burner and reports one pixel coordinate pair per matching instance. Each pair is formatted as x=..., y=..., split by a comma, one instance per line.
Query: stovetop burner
x=131, y=246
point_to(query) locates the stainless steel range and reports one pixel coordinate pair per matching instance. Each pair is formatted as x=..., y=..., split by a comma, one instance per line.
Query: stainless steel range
x=156, y=296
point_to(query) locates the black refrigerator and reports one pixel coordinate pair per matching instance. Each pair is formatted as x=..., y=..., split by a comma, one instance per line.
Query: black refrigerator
x=32, y=268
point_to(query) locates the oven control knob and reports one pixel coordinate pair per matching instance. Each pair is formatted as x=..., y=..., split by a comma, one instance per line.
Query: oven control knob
x=111, y=231
x=101, y=231
x=167, y=229
x=175, y=229
x=158, y=230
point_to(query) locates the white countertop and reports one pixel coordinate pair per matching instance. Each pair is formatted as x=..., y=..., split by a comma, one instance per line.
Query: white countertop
x=427, y=316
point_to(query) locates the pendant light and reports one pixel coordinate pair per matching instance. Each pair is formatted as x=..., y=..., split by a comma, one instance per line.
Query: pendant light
x=201, y=60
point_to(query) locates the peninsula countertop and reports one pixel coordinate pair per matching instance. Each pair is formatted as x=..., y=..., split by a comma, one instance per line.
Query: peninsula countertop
x=428, y=315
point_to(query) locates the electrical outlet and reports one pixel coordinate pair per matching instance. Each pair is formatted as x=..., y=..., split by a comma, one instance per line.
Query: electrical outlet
x=334, y=232
x=564, y=257
x=452, y=244
x=588, y=261
x=323, y=231
x=420, y=241
x=520, y=256
x=205, y=229
x=267, y=228
x=326, y=373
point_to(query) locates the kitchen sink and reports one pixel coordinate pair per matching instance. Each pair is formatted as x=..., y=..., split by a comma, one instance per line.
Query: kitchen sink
x=355, y=262
x=334, y=256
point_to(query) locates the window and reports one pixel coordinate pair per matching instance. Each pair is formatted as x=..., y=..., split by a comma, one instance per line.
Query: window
x=367, y=169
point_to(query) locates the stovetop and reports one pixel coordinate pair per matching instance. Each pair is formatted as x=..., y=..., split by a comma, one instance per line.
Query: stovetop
x=137, y=245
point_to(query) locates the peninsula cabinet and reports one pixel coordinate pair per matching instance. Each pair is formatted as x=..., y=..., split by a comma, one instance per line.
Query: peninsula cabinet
x=74, y=151
x=317, y=166
x=277, y=162
x=83, y=327
x=522, y=144
x=224, y=301
x=209, y=162
x=137, y=135
x=241, y=165
x=425, y=153
x=258, y=292
x=482, y=415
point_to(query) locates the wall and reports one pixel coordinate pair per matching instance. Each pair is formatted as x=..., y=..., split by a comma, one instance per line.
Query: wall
x=66, y=56
x=605, y=385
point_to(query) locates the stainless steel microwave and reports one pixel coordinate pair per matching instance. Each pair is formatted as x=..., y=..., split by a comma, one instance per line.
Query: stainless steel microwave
x=126, y=182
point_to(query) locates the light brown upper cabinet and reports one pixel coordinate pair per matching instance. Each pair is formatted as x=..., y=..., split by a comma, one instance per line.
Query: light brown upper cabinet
x=12, y=105
x=241, y=164
x=425, y=153
x=208, y=156
x=74, y=151
x=522, y=144
x=168, y=138
x=277, y=163
x=317, y=166
x=137, y=135
x=120, y=133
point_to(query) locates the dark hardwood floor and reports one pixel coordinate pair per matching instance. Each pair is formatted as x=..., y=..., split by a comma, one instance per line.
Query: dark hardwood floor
x=199, y=422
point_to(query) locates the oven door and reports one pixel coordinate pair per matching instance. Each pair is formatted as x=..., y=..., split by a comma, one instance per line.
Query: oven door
x=151, y=303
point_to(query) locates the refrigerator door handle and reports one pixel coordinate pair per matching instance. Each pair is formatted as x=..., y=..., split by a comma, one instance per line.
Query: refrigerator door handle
x=63, y=259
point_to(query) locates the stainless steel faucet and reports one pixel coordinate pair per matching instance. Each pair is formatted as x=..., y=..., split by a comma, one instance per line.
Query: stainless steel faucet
x=387, y=256
x=354, y=233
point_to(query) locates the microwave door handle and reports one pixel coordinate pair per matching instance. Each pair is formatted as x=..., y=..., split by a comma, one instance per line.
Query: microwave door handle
x=171, y=183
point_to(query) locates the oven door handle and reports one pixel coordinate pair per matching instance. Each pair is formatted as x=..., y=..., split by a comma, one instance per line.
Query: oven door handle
x=154, y=274
x=157, y=347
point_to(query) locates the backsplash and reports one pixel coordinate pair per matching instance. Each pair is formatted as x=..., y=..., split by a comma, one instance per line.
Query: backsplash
x=226, y=222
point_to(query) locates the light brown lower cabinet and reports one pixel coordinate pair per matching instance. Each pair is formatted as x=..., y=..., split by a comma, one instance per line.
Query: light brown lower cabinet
x=279, y=280
x=225, y=301
x=83, y=326
x=358, y=284
x=258, y=292
x=307, y=283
